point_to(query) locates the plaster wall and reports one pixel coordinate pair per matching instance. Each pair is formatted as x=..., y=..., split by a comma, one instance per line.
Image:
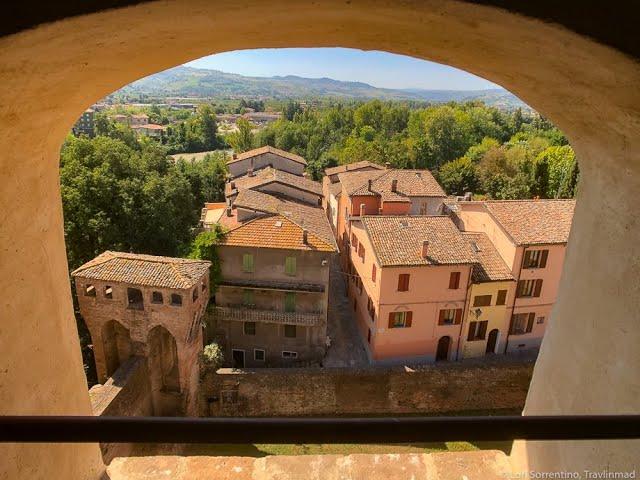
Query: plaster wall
x=240, y=167
x=587, y=89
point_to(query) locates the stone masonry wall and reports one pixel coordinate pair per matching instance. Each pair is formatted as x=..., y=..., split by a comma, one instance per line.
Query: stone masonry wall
x=127, y=393
x=465, y=386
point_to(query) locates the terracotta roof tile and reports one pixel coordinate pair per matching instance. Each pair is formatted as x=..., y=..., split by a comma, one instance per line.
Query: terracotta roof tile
x=398, y=240
x=534, y=222
x=350, y=167
x=147, y=270
x=270, y=175
x=274, y=231
x=312, y=218
x=490, y=266
x=410, y=183
x=268, y=149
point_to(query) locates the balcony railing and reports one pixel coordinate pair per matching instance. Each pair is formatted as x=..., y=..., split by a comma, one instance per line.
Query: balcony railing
x=273, y=285
x=243, y=313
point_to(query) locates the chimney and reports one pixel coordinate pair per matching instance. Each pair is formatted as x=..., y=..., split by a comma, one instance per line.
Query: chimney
x=250, y=172
x=370, y=187
x=394, y=185
x=305, y=236
x=234, y=156
x=229, y=212
x=425, y=248
x=362, y=209
x=468, y=196
x=233, y=185
x=387, y=165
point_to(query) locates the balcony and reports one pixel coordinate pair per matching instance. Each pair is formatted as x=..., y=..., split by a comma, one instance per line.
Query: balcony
x=243, y=313
x=273, y=285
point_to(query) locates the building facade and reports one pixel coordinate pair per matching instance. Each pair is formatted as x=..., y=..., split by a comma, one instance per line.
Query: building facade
x=152, y=307
x=267, y=156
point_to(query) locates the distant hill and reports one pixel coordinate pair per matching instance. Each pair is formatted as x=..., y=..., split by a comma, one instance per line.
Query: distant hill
x=196, y=82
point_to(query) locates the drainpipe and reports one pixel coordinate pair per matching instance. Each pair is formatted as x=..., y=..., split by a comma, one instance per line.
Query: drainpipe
x=465, y=314
x=515, y=295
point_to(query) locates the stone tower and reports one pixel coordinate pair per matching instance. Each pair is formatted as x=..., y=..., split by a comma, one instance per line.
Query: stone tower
x=152, y=307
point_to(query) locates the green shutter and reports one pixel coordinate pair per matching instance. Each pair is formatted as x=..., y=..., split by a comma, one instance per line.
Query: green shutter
x=247, y=297
x=290, y=266
x=289, y=302
x=247, y=262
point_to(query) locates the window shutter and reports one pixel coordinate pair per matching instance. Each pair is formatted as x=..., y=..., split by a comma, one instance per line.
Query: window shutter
x=483, y=329
x=373, y=273
x=453, y=280
x=472, y=331
x=537, y=288
x=532, y=316
x=512, y=324
x=502, y=297
x=458, y=316
x=409, y=317
x=441, y=317
x=520, y=288
x=400, y=282
x=527, y=258
x=391, y=319
x=543, y=260
x=290, y=265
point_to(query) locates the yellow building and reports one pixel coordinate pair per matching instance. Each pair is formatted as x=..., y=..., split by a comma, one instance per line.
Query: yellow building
x=485, y=324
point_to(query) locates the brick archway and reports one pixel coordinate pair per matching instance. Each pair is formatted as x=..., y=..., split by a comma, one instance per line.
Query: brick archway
x=51, y=73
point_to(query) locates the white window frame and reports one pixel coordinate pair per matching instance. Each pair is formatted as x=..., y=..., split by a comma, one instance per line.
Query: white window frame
x=264, y=354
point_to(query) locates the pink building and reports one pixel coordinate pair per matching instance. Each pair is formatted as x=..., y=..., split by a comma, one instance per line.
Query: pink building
x=531, y=237
x=408, y=278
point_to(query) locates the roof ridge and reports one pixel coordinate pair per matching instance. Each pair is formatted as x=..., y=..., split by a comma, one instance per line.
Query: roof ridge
x=308, y=231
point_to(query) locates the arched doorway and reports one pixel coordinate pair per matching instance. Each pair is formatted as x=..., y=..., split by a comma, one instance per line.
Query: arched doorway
x=163, y=360
x=116, y=344
x=442, y=353
x=492, y=341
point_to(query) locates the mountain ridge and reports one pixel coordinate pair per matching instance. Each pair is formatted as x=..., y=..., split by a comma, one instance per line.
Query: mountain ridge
x=199, y=82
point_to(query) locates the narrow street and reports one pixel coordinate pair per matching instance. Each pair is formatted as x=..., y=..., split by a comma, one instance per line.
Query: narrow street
x=346, y=348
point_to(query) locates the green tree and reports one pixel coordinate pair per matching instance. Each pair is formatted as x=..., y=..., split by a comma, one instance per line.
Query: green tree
x=205, y=247
x=243, y=139
x=458, y=176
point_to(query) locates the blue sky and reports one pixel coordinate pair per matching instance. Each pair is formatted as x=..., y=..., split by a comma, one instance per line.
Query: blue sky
x=380, y=69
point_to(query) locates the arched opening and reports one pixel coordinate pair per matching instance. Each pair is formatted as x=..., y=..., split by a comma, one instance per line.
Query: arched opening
x=163, y=360
x=492, y=341
x=116, y=342
x=442, y=353
x=583, y=86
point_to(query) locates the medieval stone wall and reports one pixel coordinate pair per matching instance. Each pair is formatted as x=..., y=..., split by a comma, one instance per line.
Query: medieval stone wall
x=435, y=389
x=126, y=394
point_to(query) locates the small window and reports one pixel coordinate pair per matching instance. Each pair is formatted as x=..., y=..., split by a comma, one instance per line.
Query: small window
x=258, y=355
x=403, y=282
x=477, y=330
x=289, y=355
x=501, y=299
x=290, y=331
x=194, y=295
x=482, y=301
x=247, y=263
x=290, y=302
x=529, y=288
x=156, y=297
x=290, y=266
x=247, y=297
x=134, y=298
x=361, y=252
x=354, y=241
x=535, y=259
x=249, y=328
x=400, y=319
x=373, y=273
x=454, y=280
x=450, y=316
x=521, y=323
x=89, y=291
x=540, y=320
x=108, y=292
x=176, y=299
